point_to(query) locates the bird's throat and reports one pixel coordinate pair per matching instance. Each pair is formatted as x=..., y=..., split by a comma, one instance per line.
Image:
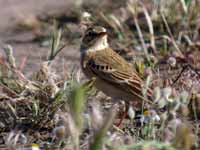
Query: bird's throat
x=101, y=44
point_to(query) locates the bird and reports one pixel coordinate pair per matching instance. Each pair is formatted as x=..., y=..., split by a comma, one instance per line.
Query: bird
x=113, y=75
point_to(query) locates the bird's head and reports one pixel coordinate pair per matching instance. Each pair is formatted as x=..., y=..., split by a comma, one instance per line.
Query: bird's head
x=94, y=39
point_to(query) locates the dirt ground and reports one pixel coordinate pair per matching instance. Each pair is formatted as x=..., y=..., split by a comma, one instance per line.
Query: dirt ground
x=12, y=11
x=171, y=57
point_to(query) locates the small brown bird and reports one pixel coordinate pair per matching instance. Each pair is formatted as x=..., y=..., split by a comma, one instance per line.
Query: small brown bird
x=114, y=75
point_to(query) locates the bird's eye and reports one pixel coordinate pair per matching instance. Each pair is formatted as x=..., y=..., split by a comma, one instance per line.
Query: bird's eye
x=92, y=34
x=102, y=67
x=97, y=67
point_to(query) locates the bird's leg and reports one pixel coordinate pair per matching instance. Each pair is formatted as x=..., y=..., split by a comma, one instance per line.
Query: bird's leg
x=123, y=116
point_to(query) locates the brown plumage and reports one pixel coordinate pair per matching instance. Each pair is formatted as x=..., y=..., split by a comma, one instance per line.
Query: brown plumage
x=114, y=75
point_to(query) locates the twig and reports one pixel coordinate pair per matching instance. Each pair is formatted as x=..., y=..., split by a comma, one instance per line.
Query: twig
x=150, y=25
x=132, y=10
x=186, y=37
x=22, y=64
x=185, y=67
x=170, y=33
x=10, y=90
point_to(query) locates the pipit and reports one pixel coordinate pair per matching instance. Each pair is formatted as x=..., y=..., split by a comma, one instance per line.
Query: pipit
x=114, y=75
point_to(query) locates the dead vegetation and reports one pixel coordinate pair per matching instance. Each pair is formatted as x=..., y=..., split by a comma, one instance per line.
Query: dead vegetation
x=58, y=111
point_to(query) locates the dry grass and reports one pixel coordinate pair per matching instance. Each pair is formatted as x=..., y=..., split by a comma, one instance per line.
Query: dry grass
x=61, y=112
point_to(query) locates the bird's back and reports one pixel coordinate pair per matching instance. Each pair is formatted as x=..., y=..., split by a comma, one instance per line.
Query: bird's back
x=113, y=69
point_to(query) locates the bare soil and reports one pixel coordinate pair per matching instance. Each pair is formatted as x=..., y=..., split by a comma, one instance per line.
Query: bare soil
x=14, y=11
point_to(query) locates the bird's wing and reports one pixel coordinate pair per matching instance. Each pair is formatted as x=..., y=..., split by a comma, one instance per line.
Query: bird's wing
x=117, y=71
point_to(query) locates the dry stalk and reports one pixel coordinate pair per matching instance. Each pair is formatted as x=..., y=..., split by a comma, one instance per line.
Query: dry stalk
x=150, y=25
x=132, y=10
x=170, y=34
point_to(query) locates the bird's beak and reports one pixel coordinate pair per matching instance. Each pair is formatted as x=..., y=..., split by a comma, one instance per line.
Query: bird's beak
x=103, y=34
